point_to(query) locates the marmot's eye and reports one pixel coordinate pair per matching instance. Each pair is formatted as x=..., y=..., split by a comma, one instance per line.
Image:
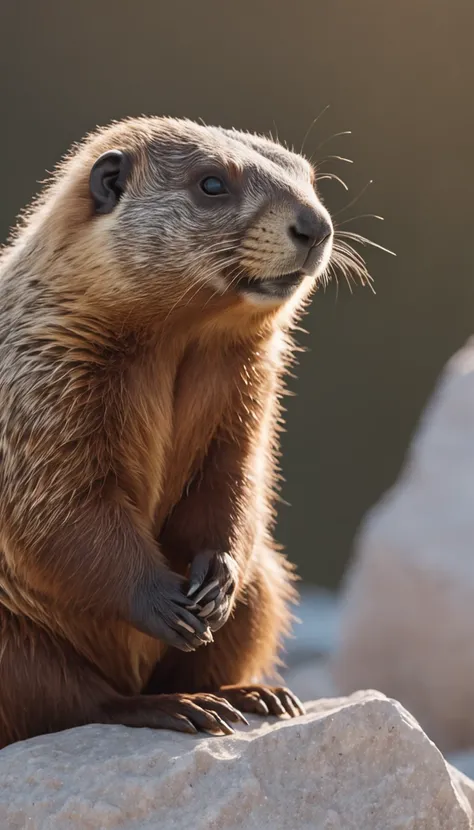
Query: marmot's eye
x=213, y=186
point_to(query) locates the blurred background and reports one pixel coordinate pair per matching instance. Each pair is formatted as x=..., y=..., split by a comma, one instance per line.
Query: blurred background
x=399, y=77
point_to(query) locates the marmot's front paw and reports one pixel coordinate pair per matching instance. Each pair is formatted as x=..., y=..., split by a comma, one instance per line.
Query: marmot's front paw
x=163, y=611
x=263, y=700
x=189, y=713
x=212, y=585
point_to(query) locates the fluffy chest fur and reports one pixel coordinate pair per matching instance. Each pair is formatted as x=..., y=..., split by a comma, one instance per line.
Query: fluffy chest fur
x=176, y=404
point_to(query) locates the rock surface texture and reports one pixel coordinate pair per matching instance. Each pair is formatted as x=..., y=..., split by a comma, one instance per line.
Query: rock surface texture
x=407, y=616
x=360, y=763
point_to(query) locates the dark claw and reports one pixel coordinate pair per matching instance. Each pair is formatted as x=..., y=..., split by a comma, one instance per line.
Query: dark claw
x=201, y=571
x=181, y=724
x=222, y=725
x=205, y=591
x=204, y=612
x=242, y=718
x=295, y=702
x=260, y=706
x=212, y=593
x=206, y=713
x=209, y=569
x=226, y=710
x=160, y=611
x=216, y=621
x=264, y=700
x=227, y=589
x=211, y=584
x=274, y=705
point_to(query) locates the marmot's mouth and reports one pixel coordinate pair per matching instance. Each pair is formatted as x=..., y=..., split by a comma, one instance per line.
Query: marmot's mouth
x=270, y=286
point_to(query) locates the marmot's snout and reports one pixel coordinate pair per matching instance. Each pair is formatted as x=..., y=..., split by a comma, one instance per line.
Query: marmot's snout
x=311, y=228
x=290, y=241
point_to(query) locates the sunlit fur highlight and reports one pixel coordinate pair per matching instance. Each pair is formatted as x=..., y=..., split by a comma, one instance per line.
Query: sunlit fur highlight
x=139, y=421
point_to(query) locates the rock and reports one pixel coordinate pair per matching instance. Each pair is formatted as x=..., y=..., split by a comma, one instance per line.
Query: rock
x=464, y=788
x=361, y=763
x=407, y=619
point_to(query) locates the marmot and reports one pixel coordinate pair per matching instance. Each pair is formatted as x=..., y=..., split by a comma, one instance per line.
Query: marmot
x=146, y=303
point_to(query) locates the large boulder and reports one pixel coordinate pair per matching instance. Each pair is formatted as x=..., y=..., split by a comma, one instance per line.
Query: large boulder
x=407, y=625
x=361, y=763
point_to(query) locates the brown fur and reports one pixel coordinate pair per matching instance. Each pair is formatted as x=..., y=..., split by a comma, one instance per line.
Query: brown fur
x=138, y=426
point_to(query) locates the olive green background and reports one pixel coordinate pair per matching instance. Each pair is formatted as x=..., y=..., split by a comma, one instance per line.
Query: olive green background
x=400, y=76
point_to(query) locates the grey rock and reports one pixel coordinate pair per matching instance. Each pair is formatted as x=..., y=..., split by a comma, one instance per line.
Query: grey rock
x=360, y=763
x=407, y=615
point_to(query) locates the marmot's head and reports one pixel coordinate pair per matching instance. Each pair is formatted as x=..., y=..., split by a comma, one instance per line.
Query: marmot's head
x=189, y=214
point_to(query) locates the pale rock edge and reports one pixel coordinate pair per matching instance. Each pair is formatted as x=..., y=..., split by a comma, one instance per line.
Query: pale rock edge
x=407, y=614
x=356, y=763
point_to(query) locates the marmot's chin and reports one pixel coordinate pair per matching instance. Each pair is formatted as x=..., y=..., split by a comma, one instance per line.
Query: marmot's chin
x=270, y=291
x=281, y=286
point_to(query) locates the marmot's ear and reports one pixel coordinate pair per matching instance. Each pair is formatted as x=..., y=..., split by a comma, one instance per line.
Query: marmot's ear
x=107, y=179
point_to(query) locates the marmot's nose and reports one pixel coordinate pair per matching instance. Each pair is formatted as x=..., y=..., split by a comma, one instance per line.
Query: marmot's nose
x=309, y=228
